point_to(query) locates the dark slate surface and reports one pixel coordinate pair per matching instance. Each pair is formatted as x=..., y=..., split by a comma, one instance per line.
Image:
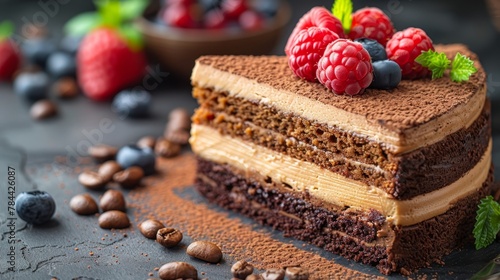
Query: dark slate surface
x=30, y=147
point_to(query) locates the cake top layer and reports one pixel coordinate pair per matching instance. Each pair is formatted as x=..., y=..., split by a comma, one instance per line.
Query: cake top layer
x=412, y=103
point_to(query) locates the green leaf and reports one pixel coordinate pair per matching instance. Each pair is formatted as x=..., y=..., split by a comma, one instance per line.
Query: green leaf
x=6, y=29
x=487, y=223
x=109, y=10
x=342, y=9
x=462, y=68
x=132, y=9
x=132, y=35
x=82, y=24
x=434, y=61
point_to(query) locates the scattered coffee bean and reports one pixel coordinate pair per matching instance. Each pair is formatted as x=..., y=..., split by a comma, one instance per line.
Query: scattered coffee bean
x=177, y=270
x=102, y=152
x=112, y=200
x=168, y=237
x=274, y=274
x=205, y=250
x=177, y=129
x=296, y=273
x=83, y=204
x=91, y=180
x=130, y=177
x=43, y=109
x=147, y=142
x=66, y=87
x=254, y=277
x=241, y=269
x=114, y=219
x=166, y=148
x=149, y=228
x=108, y=169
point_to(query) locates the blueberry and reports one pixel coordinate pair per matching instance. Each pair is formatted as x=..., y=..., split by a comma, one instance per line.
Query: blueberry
x=133, y=103
x=35, y=207
x=70, y=44
x=60, y=64
x=133, y=155
x=37, y=50
x=374, y=48
x=269, y=8
x=32, y=86
x=386, y=74
x=210, y=4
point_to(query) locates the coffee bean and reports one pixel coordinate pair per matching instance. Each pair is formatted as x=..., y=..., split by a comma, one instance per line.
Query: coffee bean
x=274, y=274
x=296, y=273
x=102, y=152
x=114, y=219
x=112, y=200
x=177, y=270
x=91, y=180
x=147, y=142
x=254, y=277
x=149, y=228
x=130, y=177
x=83, y=204
x=66, y=87
x=108, y=169
x=241, y=269
x=168, y=237
x=43, y=109
x=205, y=250
x=177, y=128
x=166, y=148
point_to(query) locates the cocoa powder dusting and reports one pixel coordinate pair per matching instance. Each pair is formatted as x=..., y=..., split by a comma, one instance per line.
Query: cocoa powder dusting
x=158, y=200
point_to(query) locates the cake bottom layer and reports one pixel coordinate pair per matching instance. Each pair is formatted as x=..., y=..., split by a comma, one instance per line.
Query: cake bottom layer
x=363, y=236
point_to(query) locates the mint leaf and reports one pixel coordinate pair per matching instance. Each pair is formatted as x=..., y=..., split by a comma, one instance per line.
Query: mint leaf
x=6, y=29
x=342, y=9
x=132, y=9
x=436, y=62
x=82, y=24
x=487, y=223
x=462, y=68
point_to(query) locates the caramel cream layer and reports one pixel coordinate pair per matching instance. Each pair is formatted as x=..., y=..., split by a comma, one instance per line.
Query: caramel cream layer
x=461, y=116
x=331, y=187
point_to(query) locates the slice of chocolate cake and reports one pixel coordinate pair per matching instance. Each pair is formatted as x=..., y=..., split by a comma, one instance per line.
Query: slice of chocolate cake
x=390, y=178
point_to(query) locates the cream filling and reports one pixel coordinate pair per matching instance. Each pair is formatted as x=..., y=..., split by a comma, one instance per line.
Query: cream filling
x=331, y=187
x=463, y=115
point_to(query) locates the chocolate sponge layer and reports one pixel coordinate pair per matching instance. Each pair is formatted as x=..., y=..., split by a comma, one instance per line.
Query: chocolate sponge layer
x=402, y=176
x=364, y=236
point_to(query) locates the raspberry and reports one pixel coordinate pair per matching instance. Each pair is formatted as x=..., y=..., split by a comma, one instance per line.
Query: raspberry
x=316, y=17
x=345, y=67
x=371, y=23
x=307, y=49
x=404, y=47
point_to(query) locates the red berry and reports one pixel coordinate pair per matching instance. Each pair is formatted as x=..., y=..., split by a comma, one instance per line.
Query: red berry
x=179, y=16
x=345, y=67
x=371, y=23
x=234, y=8
x=10, y=59
x=185, y=3
x=319, y=17
x=251, y=20
x=106, y=64
x=306, y=50
x=214, y=19
x=404, y=47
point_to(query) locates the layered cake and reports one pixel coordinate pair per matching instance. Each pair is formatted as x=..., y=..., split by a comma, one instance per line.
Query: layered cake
x=390, y=178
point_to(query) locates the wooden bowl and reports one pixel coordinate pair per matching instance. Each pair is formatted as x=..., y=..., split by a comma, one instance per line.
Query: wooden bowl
x=176, y=49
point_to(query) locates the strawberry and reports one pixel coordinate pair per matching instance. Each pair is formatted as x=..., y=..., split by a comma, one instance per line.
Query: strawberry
x=106, y=64
x=110, y=56
x=10, y=58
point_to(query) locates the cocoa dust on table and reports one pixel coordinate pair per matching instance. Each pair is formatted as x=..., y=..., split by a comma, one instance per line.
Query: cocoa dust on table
x=157, y=199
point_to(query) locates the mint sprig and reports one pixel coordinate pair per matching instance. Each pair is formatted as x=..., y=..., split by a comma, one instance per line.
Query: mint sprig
x=6, y=29
x=487, y=223
x=461, y=68
x=342, y=9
